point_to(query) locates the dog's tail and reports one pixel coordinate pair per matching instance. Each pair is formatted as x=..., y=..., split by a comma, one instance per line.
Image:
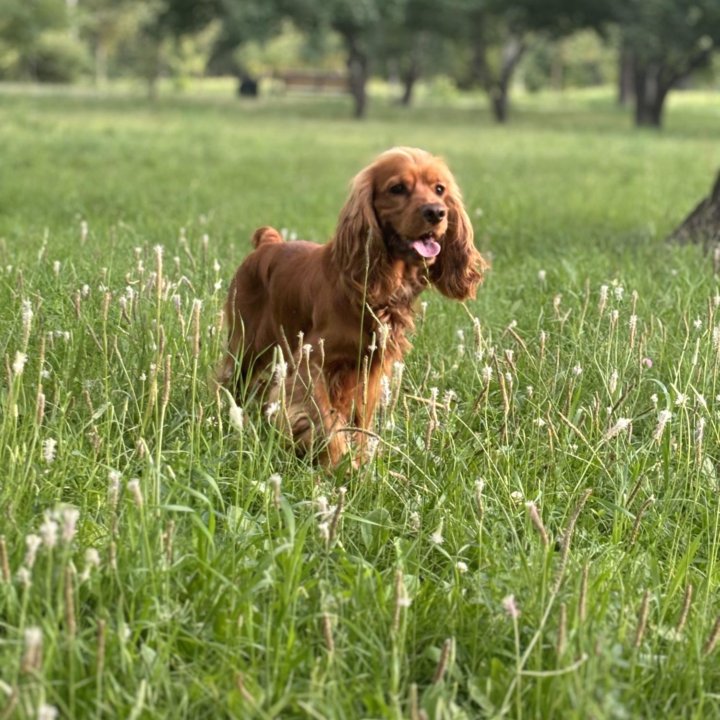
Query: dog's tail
x=265, y=236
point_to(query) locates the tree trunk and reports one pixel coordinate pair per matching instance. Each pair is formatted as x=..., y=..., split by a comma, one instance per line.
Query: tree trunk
x=650, y=94
x=409, y=79
x=101, y=58
x=512, y=52
x=357, y=65
x=153, y=70
x=702, y=225
x=625, y=76
x=499, y=103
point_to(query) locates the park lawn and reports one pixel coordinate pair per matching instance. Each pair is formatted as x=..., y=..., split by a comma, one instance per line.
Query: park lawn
x=201, y=570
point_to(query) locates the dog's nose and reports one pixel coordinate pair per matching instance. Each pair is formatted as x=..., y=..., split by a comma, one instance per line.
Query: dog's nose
x=433, y=213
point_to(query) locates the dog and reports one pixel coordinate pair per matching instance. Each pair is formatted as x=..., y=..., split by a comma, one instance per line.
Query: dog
x=318, y=326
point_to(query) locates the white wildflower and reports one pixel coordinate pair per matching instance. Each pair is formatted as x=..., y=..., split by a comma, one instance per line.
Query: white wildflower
x=92, y=562
x=437, y=537
x=114, y=477
x=516, y=496
x=47, y=712
x=697, y=324
x=281, y=370
x=486, y=374
x=385, y=392
x=664, y=417
x=619, y=291
x=577, y=370
x=603, y=298
x=19, y=362
x=33, y=646
x=461, y=566
x=32, y=543
x=448, y=398
x=542, y=275
x=681, y=399
x=49, y=532
x=237, y=417
x=511, y=607
x=27, y=315
x=620, y=426
x=272, y=409
x=49, y=449
x=275, y=481
x=69, y=516
x=612, y=383
x=133, y=487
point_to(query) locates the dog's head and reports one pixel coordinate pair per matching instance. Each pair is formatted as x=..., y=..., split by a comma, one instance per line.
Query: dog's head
x=407, y=206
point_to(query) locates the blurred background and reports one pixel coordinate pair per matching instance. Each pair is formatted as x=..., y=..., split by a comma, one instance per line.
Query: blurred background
x=633, y=53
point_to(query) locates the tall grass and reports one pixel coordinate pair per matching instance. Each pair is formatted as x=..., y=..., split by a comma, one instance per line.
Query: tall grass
x=537, y=533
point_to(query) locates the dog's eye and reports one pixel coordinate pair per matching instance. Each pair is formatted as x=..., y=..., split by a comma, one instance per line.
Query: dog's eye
x=398, y=189
x=439, y=189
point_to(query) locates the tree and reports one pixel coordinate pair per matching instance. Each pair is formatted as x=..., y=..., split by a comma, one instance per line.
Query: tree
x=363, y=26
x=242, y=22
x=169, y=19
x=22, y=27
x=499, y=33
x=666, y=40
x=106, y=23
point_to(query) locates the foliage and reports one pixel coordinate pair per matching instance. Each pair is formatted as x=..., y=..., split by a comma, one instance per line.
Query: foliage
x=290, y=49
x=23, y=34
x=582, y=59
x=666, y=40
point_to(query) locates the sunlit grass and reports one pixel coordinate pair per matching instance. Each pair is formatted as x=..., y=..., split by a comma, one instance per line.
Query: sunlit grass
x=537, y=535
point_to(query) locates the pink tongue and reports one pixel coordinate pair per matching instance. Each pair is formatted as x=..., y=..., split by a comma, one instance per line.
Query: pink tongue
x=427, y=248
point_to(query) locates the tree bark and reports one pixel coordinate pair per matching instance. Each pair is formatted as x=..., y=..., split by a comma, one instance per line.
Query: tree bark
x=625, y=76
x=650, y=93
x=101, y=58
x=702, y=225
x=409, y=79
x=512, y=52
x=357, y=64
x=153, y=69
x=654, y=80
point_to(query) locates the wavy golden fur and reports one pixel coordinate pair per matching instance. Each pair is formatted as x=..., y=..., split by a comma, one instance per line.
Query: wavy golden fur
x=339, y=313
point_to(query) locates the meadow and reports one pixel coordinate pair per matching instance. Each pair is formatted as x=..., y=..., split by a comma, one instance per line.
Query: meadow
x=537, y=535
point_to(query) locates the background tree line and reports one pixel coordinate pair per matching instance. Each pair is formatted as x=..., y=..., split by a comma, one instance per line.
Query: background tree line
x=648, y=47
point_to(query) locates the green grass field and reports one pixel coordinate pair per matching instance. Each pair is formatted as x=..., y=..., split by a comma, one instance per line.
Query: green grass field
x=549, y=550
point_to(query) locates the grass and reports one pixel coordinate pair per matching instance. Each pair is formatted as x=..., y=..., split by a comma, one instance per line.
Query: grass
x=529, y=557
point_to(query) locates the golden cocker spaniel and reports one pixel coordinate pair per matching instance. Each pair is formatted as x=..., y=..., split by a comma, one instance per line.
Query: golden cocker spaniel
x=317, y=326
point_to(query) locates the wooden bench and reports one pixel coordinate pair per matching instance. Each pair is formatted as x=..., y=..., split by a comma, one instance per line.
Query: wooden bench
x=314, y=81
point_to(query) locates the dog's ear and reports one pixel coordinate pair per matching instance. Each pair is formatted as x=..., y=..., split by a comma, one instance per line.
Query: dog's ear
x=358, y=243
x=459, y=268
